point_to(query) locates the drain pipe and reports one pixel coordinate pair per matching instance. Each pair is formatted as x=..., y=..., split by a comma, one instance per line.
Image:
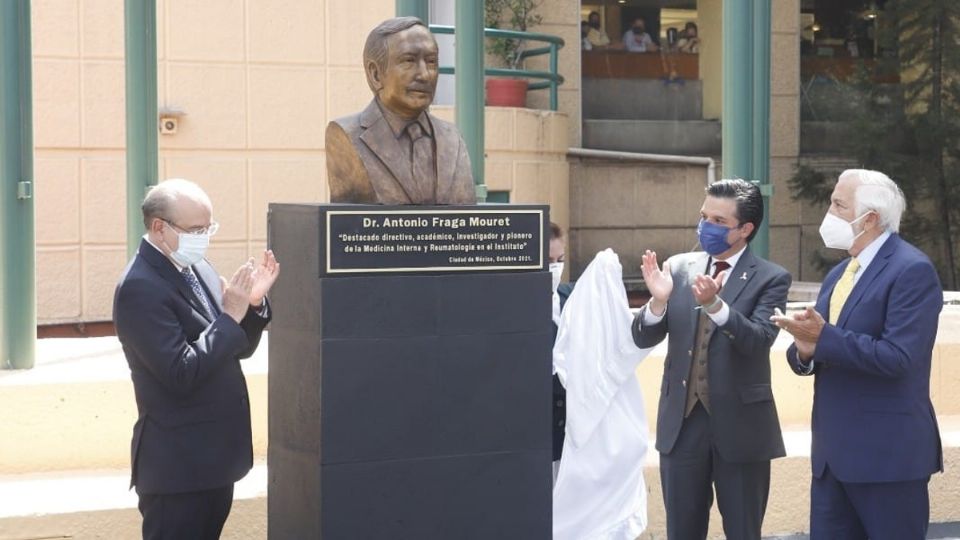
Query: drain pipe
x=649, y=158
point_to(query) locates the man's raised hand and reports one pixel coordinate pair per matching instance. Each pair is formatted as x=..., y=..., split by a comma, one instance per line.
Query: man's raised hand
x=659, y=282
x=264, y=276
x=236, y=292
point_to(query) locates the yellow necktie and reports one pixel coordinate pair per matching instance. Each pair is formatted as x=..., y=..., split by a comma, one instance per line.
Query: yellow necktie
x=842, y=290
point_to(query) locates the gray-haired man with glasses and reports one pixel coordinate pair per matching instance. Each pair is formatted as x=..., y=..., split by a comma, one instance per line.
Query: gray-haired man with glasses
x=184, y=329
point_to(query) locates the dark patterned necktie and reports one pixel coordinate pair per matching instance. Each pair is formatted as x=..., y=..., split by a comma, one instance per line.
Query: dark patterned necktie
x=198, y=291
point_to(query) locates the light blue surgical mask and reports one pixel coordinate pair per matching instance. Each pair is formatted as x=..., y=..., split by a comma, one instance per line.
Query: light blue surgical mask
x=191, y=249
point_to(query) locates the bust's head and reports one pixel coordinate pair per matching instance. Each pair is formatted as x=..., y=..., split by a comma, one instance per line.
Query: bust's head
x=400, y=60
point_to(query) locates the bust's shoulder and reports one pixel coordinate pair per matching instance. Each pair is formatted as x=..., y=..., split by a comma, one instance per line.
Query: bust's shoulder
x=349, y=123
x=353, y=123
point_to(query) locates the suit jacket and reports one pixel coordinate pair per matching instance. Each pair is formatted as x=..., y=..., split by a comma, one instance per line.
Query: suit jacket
x=743, y=415
x=366, y=165
x=193, y=430
x=559, y=392
x=872, y=416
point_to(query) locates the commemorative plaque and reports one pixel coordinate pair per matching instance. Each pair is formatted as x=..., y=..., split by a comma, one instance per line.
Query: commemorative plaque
x=409, y=372
x=431, y=239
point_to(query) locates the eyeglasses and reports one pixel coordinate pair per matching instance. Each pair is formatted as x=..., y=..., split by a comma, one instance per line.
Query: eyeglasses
x=209, y=230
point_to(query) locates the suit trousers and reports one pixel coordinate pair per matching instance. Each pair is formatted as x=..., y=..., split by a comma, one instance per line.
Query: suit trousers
x=691, y=471
x=197, y=515
x=878, y=511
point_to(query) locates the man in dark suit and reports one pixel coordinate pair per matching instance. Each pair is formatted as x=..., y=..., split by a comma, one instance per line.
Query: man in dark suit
x=183, y=330
x=869, y=343
x=395, y=152
x=557, y=256
x=717, y=422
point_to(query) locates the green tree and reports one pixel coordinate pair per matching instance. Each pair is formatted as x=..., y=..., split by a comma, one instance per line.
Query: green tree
x=510, y=15
x=909, y=130
x=929, y=40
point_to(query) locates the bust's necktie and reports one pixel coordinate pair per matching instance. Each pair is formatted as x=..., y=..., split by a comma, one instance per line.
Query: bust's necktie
x=842, y=290
x=198, y=292
x=423, y=166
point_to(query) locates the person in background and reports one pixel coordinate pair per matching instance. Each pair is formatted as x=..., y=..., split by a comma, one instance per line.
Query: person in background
x=869, y=345
x=561, y=291
x=689, y=41
x=672, y=40
x=596, y=36
x=584, y=33
x=636, y=39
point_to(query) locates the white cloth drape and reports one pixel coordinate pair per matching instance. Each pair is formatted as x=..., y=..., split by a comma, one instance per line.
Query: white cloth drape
x=600, y=493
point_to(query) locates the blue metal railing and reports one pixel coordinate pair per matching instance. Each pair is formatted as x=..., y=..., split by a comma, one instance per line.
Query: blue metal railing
x=547, y=79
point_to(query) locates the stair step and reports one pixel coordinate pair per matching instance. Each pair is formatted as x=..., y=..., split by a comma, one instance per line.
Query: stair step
x=642, y=99
x=700, y=137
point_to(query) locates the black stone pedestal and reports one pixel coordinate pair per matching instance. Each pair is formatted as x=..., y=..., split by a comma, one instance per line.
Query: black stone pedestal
x=405, y=406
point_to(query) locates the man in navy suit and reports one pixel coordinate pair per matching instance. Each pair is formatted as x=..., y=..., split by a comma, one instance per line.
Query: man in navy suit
x=869, y=342
x=184, y=329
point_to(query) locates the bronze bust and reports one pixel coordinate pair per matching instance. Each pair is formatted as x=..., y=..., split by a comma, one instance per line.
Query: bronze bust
x=395, y=151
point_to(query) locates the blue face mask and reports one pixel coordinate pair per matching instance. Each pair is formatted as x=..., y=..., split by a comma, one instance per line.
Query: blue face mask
x=713, y=237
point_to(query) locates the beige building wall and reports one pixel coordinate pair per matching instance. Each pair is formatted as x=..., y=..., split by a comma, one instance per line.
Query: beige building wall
x=258, y=82
x=561, y=18
x=710, y=29
x=527, y=156
x=632, y=207
x=786, y=216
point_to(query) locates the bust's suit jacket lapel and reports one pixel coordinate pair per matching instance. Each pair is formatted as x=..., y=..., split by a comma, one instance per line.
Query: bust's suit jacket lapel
x=380, y=139
x=447, y=148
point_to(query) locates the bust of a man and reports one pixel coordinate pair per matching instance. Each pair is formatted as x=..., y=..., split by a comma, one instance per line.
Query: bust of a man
x=395, y=151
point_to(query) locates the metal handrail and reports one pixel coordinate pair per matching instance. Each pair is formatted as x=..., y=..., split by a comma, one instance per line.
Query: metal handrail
x=547, y=79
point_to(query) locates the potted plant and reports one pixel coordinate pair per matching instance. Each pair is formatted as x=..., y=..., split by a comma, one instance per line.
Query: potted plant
x=512, y=15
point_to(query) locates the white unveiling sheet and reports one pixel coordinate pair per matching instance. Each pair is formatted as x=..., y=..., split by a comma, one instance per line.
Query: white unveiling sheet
x=600, y=493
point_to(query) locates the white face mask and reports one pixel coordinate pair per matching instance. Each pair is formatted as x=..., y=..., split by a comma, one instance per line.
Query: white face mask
x=556, y=270
x=838, y=233
x=192, y=248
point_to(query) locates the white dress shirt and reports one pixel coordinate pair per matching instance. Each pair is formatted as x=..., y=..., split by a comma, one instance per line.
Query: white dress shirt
x=720, y=316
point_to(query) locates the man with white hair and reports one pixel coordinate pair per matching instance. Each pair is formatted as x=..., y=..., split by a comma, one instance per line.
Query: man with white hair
x=184, y=329
x=869, y=343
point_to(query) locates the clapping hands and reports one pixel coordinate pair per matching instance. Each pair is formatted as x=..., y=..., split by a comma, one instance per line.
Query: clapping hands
x=249, y=285
x=805, y=327
x=264, y=276
x=659, y=282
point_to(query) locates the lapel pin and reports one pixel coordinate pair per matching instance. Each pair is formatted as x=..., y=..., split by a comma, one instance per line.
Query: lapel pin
x=743, y=277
